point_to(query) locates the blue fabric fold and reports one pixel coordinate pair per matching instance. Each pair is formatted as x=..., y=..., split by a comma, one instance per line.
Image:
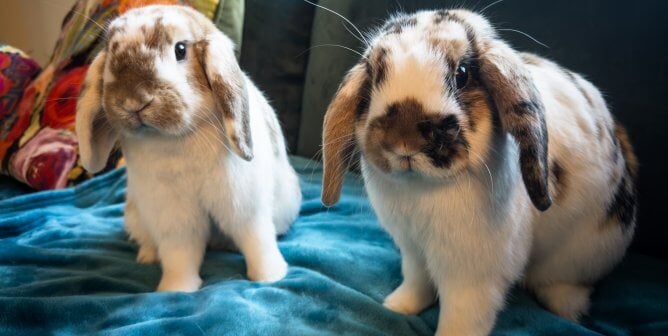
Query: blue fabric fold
x=66, y=267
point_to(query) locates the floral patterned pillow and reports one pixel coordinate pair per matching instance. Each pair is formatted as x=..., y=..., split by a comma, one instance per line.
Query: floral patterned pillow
x=16, y=71
x=37, y=141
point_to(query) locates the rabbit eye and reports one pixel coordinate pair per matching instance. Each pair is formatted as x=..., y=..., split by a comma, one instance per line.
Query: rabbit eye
x=462, y=76
x=180, y=51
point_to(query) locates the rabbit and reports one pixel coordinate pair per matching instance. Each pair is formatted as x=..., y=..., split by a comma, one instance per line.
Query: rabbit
x=487, y=166
x=202, y=144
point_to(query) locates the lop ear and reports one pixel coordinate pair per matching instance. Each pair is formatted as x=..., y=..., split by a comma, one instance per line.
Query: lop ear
x=96, y=137
x=521, y=112
x=228, y=84
x=338, y=136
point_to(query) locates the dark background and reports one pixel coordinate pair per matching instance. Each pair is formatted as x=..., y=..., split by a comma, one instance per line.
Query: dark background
x=620, y=46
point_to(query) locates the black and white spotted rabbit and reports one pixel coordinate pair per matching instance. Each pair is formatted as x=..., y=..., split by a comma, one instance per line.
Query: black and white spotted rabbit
x=486, y=165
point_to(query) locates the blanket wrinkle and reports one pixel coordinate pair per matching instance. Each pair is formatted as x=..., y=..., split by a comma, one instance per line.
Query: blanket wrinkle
x=67, y=267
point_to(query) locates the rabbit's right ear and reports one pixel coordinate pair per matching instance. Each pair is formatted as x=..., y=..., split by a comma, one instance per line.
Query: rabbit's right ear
x=96, y=137
x=338, y=137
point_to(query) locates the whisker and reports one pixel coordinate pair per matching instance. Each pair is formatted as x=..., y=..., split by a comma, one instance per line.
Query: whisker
x=489, y=171
x=525, y=34
x=345, y=26
x=331, y=45
x=482, y=11
x=105, y=29
x=339, y=15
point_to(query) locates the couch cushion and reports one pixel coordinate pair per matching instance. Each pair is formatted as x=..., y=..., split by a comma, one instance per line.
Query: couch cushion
x=274, y=53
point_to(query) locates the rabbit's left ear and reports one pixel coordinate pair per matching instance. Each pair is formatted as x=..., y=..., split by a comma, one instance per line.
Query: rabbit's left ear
x=521, y=112
x=338, y=133
x=96, y=137
x=228, y=85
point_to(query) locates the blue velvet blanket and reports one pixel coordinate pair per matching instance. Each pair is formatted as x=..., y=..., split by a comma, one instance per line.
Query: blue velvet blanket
x=66, y=267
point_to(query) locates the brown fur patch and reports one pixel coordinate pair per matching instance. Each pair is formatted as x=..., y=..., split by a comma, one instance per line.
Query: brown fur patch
x=406, y=127
x=134, y=73
x=339, y=130
x=476, y=104
x=118, y=29
x=454, y=50
x=166, y=115
x=379, y=66
x=197, y=76
x=627, y=150
x=113, y=47
x=445, y=15
x=232, y=97
x=399, y=126
x=233, y=100
x=397, y=25
x=157, y=35
x=622, y=208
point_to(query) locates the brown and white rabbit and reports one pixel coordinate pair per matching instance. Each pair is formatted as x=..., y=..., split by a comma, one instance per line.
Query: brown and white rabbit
x=200, y=140
x=486, y=166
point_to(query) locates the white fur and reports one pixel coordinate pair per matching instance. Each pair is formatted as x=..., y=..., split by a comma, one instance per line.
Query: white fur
x=178, y=183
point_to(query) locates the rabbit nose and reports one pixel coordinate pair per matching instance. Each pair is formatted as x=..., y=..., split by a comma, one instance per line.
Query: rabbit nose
x=136, y=106
x=401, y=149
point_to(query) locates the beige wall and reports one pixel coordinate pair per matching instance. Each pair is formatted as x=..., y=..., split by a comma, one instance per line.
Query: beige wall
x=32, y=25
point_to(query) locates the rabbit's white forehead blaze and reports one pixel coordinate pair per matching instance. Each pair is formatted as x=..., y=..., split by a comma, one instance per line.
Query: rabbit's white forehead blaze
x=415, y=65
x=149, y=27
x=414, y=72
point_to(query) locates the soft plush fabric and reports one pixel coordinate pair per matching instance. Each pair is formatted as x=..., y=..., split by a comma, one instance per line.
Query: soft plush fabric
x=66, y=267
x=275, y=52
x=10, y=187
x=40, y=147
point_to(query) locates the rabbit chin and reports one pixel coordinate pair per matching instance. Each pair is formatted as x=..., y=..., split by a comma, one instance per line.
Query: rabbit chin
x=134, y=125
x=420, y=168
x=144, y=128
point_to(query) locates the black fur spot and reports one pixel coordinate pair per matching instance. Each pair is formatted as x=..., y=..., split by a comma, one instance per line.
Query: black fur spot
x=397, y=25
x=623, y=205
x=445, y=140
x=445, y=15
x=533, y=161
x=113, y=47
x=616, y=153
x=527, y=107
x=558, y=172
x=559, y=179
x=364, y=94
x=380, y=67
